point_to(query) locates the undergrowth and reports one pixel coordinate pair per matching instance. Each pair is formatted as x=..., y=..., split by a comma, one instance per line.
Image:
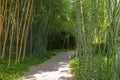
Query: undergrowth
x=16, y=70
x=98, y=71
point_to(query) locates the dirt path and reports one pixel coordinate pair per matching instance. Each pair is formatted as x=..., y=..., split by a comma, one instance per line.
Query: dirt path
x=56, y=68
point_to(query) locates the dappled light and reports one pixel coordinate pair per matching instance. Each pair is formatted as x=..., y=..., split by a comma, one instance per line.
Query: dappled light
x=54, y=69
x=56, y=39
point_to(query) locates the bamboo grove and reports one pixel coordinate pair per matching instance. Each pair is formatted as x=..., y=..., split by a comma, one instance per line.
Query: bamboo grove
x=28, y=27
x=98, y=25
x=15, y=17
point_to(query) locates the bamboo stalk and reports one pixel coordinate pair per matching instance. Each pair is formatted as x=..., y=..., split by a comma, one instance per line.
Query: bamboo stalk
x=7, y=30
x=17, y=34
x=26, y=34
x=11, y=37
x=23, y=31
x=18, y=31
x=0, y=24
x=79, y=32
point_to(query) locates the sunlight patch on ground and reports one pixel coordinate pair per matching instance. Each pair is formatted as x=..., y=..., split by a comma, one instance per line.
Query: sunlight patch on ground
x=57, y=68
x=63, y=72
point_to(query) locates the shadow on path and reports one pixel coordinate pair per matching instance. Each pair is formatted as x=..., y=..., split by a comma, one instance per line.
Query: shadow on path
x=56, y=68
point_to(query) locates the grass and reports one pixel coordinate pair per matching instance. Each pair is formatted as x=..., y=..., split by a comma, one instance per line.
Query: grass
x=16, y=70
x=99, y=71
x=74, y=66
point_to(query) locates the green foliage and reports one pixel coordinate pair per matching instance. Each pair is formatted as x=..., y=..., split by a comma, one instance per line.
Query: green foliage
x=95, y=73
x=100, y=48
x=97, y=34
x=16, y=70
x=51, y=19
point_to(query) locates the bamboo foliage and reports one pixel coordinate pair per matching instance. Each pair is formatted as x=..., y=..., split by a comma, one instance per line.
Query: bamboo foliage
x=99, y=25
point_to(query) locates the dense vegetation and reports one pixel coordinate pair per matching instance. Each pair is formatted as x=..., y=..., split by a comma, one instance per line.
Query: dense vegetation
x=99, y=71
x=16, y=70
x=97, y=52
x=28, y=28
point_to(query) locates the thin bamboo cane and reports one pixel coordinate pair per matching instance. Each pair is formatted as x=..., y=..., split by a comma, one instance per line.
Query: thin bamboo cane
x=17, y=34
x=0, y=24
x=79, y=32
x=114, y=42
x=11, y=37
x=7, y=30
x=3, y=6
x=18, y=30
x=23, y=31
x=26, y=34
x=4, y=9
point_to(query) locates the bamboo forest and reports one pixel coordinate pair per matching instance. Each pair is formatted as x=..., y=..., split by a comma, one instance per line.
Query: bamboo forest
x=59, y=39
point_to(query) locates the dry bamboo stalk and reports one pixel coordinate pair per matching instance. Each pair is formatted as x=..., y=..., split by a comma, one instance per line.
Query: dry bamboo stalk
x=2, y=6
x=4, y=9
x=17, y=37
x=0, y=26
x=7, y=30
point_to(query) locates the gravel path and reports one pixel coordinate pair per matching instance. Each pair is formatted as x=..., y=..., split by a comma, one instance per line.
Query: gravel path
x=56, y=68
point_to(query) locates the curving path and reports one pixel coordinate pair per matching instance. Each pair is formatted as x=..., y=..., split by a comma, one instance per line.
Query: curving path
x=56, y=68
